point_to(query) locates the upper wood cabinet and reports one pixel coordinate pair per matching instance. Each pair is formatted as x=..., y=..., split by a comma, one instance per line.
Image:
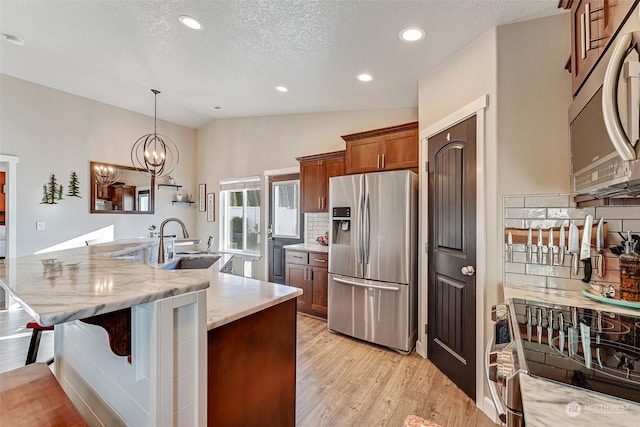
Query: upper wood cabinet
x=315, y=172
x=390, y=148
x=593, y=25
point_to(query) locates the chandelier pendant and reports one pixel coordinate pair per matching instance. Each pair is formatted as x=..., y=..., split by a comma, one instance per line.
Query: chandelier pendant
x=155, y=153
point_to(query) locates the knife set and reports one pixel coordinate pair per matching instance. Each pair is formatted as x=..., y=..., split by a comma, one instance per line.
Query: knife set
x=552, y=254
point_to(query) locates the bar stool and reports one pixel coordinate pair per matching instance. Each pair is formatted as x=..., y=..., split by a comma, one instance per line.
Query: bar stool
x=34, y=344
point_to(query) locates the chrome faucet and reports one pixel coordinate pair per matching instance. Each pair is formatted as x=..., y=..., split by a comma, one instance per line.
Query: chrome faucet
x=185, y=234
x=210, y=244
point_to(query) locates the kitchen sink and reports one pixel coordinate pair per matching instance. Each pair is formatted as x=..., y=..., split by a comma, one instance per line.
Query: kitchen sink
x=198, y=263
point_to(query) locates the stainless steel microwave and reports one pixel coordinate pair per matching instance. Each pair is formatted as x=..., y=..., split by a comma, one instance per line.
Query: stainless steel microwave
x=604, y=121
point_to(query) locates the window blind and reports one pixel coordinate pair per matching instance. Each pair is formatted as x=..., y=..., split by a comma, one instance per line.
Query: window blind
x=248, y=183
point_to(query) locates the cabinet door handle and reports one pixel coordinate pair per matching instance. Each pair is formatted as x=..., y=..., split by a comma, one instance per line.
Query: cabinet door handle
x=583, y=41
x=320, y=260
x=378, y=162
x=382, y=160
x=311, y=274
x=319, y=201
x=587, y=28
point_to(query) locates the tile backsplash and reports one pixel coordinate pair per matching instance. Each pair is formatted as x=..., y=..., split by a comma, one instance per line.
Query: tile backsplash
x=546, y=211
x=316, y=224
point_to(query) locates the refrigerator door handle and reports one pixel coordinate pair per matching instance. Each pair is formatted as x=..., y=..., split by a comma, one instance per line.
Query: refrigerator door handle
x=366, y=234
x=359, y=230
x=364, y=285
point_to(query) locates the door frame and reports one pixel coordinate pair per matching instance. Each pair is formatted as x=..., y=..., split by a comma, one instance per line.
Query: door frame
x=265, y=213
x=477, y=108
x=9, y=164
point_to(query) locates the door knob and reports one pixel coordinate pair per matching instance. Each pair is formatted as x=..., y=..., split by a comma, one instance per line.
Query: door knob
x=468, y=270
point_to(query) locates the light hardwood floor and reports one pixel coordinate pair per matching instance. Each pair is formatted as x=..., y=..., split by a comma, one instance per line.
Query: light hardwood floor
x=340, y=381
x=345, y=382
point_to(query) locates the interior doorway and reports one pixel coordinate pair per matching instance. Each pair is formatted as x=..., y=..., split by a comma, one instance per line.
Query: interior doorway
x=8, y=165
x=285, y=224
x=452, y=253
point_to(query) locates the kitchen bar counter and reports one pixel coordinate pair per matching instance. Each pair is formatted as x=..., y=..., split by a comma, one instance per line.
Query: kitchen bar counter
x=309, y=247
x=548, y=403
x=182, y=325
x=73, y=284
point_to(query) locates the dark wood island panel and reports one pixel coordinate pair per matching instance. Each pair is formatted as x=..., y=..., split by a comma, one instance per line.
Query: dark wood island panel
x=252, y=369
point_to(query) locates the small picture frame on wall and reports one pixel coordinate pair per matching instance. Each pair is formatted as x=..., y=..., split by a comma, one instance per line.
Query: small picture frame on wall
x=202, y=190
x=211, y=207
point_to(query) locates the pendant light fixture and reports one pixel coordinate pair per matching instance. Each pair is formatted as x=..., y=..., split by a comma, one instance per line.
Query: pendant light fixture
x=106, y=175
x=154, y=153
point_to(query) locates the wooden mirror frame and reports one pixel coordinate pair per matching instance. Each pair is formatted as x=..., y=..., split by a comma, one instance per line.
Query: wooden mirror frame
x=94, y=190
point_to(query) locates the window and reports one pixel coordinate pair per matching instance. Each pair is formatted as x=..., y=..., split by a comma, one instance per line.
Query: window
x=286, y=209
x=240, y=215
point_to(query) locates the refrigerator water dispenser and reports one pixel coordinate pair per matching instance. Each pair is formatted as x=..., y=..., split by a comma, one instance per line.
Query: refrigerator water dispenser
x=341, y=221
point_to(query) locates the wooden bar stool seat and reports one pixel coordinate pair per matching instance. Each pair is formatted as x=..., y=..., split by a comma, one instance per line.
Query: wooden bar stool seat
x=31, y=396
x=34, y=344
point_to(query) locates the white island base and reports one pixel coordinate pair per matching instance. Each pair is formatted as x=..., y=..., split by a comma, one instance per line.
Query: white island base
x=165, y=382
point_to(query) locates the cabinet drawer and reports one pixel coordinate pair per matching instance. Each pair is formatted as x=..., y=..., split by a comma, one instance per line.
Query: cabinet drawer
x=296, y=257
x=318, y=259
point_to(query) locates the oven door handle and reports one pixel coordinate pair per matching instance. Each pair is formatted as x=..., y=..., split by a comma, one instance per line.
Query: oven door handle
x=497, y=402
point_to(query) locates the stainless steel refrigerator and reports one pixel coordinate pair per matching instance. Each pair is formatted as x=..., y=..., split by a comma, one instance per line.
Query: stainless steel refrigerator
x=373, y=257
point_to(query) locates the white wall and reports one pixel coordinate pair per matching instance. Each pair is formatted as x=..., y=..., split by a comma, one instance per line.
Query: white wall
x=521, y=68
x=249, y=146
x=53, y=132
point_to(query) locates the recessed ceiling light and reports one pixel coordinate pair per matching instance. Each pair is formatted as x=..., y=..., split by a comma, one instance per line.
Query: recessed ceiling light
x=364, y=77
x=412, y=34
x=191, y=22
x=217, y=107
x=282, y=89
x=13, y=39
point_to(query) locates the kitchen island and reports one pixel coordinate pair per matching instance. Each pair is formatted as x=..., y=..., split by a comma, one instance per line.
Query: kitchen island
x=177, y=319
x=547, y=402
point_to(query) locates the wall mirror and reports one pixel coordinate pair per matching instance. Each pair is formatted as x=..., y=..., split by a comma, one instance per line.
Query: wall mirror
x=120, y=189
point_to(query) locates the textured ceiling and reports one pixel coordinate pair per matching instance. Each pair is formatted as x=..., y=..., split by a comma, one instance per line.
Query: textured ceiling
x=115, y=51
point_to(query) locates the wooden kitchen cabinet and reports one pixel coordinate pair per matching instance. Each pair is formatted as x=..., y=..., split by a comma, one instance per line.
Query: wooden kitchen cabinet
x=123, y=197
x=315, y=172
x=593, y=24
x=390, y=148
x=308, y=271
x=251, y=369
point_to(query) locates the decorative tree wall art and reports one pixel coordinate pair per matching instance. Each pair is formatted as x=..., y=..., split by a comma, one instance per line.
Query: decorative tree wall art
x=74, y=186
x=51, y=192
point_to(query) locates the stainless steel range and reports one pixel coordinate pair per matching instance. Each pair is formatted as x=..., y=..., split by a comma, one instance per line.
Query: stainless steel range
x=595, y=350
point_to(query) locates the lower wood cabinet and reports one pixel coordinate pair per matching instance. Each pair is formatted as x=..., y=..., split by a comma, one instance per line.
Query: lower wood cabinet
x=308, y=271
x=252, y=370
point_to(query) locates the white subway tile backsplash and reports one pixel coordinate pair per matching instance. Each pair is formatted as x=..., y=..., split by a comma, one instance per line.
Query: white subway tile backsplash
x=514, y=202
x=630, y=224
x=546, y=211
x=525, y=213
x=316, y=224
x=620, y=212
x=555, y=201
x=524, y=279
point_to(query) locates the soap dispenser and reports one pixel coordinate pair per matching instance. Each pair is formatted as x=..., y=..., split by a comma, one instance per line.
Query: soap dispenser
x=630, y=272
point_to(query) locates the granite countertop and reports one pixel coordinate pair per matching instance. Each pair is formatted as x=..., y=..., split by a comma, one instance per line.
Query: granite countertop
x=548, y=403
x=77, y=283
x=309, y=247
